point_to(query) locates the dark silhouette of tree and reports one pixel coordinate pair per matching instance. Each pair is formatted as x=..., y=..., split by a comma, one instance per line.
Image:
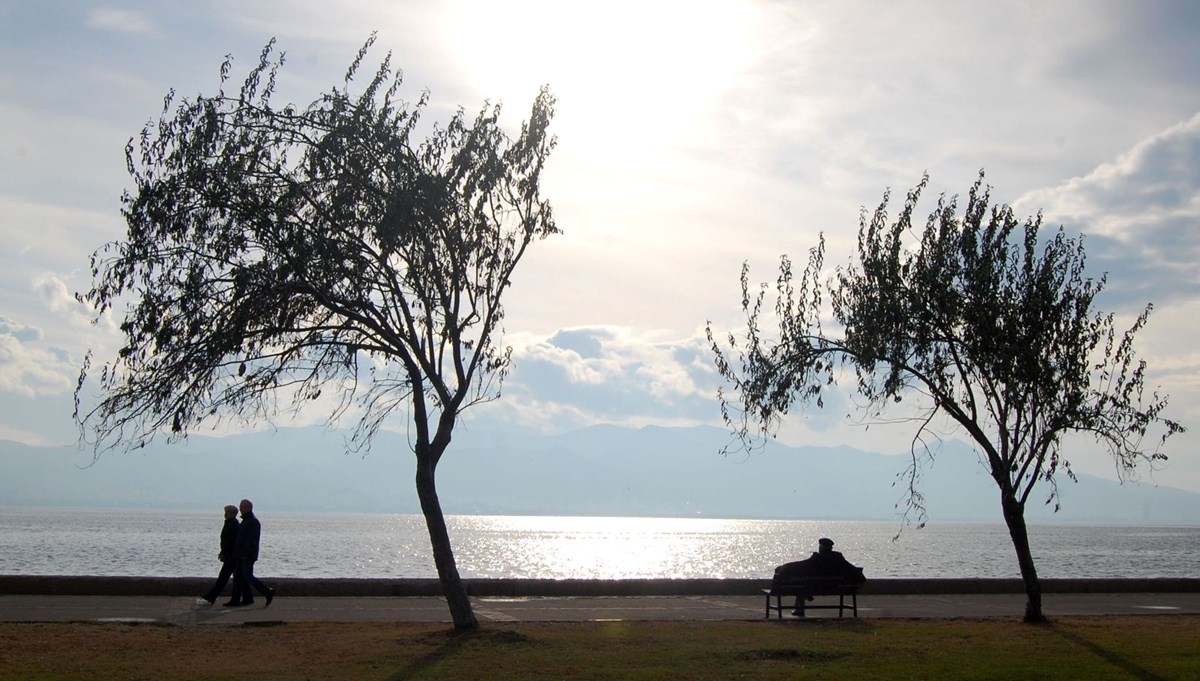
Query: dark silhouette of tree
x=275, y=255
x=989, y=319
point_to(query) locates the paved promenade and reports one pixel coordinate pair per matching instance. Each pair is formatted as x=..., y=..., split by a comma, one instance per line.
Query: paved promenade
x=159, y=600
x=191, y=611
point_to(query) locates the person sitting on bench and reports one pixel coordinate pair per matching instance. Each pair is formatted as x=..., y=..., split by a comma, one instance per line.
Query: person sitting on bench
x=824, y=562
x=825, y=559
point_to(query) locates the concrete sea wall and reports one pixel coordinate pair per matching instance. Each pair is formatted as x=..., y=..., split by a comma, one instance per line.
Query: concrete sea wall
x=521, y=588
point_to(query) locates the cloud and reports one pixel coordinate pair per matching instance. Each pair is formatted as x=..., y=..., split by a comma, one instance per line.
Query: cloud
x=1140, y=214
x=609, y=374
x=1117, y=48
x=19, y=331
x=119, y=20
x=28, y=369
x=583, y=376
x=57, y=296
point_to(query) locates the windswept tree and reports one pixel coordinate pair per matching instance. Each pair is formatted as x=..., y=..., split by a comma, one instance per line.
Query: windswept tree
x=988, y=319
x=278, y=254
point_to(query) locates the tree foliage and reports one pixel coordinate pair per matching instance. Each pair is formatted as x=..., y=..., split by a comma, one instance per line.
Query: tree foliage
x=990, y=318
x=277, y=254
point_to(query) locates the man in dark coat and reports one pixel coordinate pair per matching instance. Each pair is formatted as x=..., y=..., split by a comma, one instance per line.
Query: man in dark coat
x=246, y=548
x=227, y=556
x=828, y=561
x=824, y=562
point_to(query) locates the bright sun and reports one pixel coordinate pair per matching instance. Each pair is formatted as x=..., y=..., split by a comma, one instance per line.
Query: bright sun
x=621, y=60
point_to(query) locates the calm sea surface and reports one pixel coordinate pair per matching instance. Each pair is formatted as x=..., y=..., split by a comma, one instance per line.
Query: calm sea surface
x=184, y=544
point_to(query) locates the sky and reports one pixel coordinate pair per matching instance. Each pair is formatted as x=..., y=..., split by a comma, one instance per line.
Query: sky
x=693, y=137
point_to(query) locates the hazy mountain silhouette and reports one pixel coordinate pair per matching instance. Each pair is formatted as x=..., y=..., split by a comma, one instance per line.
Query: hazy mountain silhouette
x=603, y=470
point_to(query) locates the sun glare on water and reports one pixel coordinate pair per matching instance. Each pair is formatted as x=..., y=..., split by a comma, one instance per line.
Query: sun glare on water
x=602, y=548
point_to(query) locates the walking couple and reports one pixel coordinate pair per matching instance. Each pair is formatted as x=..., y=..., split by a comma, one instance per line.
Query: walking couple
x=239, y=550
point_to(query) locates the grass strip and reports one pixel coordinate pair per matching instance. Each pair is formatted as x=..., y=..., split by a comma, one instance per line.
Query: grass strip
x=1151, y=647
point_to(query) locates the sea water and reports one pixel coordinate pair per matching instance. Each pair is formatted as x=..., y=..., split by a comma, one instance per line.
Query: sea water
x=36, y=541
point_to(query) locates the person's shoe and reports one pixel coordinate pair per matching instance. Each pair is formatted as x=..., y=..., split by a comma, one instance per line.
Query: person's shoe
x=207, y=599
x=235, y=604
x=270, y=597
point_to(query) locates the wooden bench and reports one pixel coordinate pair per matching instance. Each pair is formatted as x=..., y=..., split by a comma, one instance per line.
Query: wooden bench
x=805, y=587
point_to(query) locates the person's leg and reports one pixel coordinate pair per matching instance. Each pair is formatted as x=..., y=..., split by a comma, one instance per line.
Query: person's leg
x=245, y=573
x=222, y=579
x=252, y=581
x=239, y=585
x=798, y=611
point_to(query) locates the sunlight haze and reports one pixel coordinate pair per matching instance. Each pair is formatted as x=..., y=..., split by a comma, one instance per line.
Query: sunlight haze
x=691, y=137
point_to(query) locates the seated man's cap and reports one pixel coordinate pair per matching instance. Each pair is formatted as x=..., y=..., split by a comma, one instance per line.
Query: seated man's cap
x=825, y=540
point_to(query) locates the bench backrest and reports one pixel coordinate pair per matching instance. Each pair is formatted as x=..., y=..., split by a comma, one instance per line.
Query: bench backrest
x=811, y=574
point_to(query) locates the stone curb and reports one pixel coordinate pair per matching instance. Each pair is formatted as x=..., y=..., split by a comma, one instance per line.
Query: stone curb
x=517, y=588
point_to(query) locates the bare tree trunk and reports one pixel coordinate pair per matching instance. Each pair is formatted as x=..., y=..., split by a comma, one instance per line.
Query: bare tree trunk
x=1014, y=517
x=439, y=537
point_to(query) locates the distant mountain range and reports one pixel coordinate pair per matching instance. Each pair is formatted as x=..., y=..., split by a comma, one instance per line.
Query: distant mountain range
x=603, y=470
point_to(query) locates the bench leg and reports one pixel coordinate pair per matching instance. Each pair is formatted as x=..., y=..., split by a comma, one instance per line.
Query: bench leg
x=778, y=605
x=853, y=607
